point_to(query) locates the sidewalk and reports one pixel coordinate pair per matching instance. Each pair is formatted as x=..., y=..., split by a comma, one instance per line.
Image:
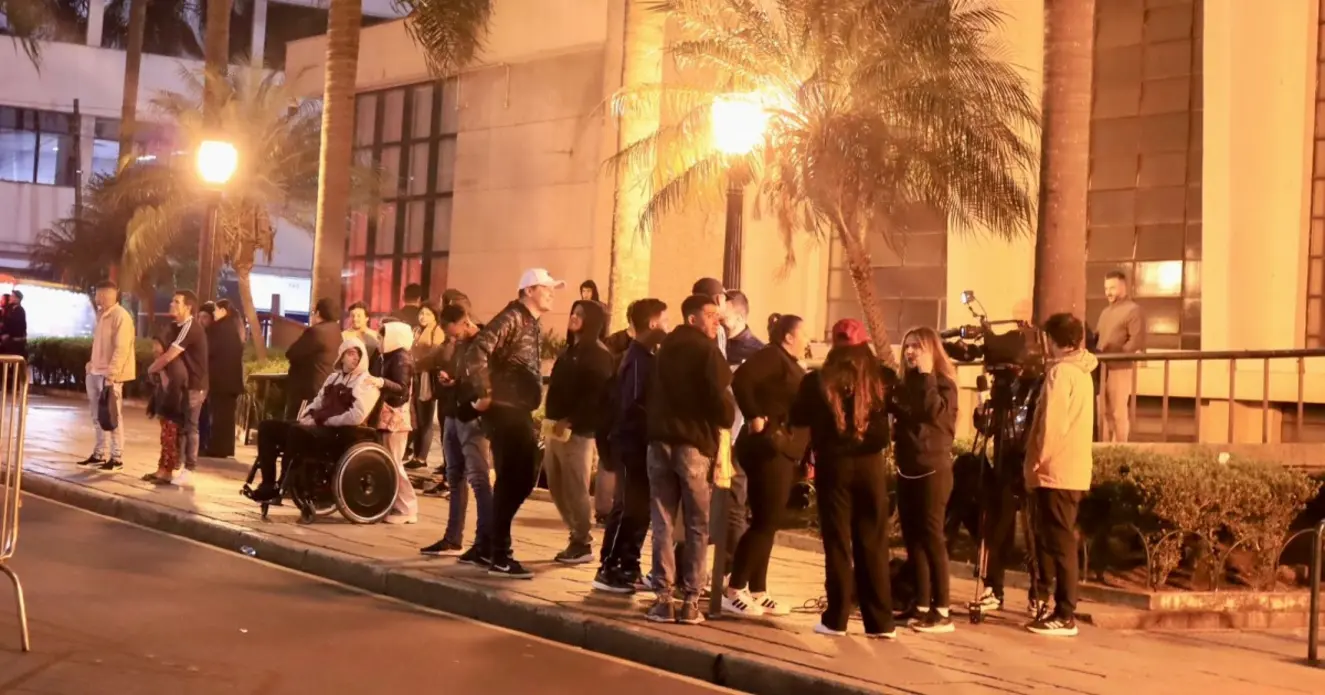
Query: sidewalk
x=766, y=656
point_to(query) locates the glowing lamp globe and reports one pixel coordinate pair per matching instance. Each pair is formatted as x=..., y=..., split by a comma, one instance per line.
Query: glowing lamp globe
x=217, y=161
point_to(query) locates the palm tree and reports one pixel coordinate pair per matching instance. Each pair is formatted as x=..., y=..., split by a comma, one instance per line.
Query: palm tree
x=28, y=22
x=279, y=139
x=1060, y=245
x=874, y=107
x=450, y=32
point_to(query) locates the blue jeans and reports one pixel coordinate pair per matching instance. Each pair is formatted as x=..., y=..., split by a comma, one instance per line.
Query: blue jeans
x=679, y=476
x=468, y=459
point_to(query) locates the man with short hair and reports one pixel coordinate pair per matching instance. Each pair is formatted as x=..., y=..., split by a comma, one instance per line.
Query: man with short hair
x=628, y=521
x=467, y=451
x=408, y=312
x=1121, y=330
x=14, y=327
x=312, y=356
x=741, y=341
x=112, y=365
x=1057, y=471
x=372, y=340
x=690, y=404
x=504, y=372
x=190, y=346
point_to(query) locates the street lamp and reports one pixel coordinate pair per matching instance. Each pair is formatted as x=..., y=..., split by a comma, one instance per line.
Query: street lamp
x=217, y=161
x=739, y=122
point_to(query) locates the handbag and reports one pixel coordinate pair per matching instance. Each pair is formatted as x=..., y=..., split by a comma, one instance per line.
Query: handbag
x=107, y=415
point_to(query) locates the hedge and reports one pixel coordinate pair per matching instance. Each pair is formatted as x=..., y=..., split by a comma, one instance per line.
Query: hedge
x=62, y=362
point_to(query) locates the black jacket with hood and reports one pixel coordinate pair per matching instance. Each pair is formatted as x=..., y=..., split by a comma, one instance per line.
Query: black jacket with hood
x=578, y=388
x=312, y=358
x=225, y=357
x=690, y=400
x=924, y=409
x=397, y=363
x=765, y=387
x=503, y=360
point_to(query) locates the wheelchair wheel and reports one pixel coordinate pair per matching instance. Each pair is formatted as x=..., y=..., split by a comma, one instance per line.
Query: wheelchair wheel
x=364, y=483
x=309, y=486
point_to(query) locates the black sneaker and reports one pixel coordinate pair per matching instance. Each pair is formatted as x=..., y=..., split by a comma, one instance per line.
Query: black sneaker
x=662, y=611
x=933, y=623
x=474, y=557
x=415, y=464
x=909, y=615
x=92, y=460
x=442, y=547
x=690, y=613
x=612, y=583
x=509, y=568
x=111, y=465
x=1054, y=626
x=266, y=493
x=575, y=554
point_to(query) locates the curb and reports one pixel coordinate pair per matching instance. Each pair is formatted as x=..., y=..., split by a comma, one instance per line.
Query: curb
x=737, y=670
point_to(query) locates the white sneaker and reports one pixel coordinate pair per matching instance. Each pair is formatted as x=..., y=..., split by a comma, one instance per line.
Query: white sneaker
x=182, y=478
x=821, y=629
x=742, y=604
x=401, y=519
x=770, y=604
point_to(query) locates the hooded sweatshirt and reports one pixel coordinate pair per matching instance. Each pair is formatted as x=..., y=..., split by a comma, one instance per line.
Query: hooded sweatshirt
x=577, y=388
x=397, y=377
x=690, y=399
x=360, y=384
x=1058, y=455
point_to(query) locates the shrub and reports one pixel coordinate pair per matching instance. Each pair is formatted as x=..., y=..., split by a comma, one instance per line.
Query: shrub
x=62, y=362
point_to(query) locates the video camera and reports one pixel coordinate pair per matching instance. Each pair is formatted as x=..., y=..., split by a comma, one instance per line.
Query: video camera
x=1020, y=349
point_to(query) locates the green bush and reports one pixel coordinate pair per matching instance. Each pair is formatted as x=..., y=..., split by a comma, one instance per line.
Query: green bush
x=62, y=362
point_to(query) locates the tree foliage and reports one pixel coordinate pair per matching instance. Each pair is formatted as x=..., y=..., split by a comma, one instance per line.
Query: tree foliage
x=876, y=109
x=450, y=32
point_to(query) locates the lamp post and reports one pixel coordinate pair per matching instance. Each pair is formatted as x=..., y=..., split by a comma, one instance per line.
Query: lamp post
x=217, y=161
x=739, y=122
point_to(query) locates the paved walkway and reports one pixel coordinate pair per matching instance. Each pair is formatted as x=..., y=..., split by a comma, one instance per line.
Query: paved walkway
x=997, y=656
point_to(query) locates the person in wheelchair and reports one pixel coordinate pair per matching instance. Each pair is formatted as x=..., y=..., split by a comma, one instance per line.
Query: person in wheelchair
x=332, y=419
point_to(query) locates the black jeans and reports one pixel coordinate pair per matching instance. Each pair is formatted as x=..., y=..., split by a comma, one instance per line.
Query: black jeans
x=628, y=522
x=420, y=440
x=221, y=435
x=279, y=438
x=1055, y=518
x=853, y=517
x=922, y=505
x=999, y=530
x=737, y=510
x=515, y=458
x=769, y=479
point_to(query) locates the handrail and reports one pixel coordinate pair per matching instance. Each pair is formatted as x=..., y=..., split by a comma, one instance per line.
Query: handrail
x=1193, y=355
x=1313, y=617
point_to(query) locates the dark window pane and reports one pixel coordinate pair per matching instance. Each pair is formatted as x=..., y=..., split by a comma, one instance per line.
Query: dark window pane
x=382, y=301
x=1162, y=316
x=358, y=233
x=56, y=163
x=1191, y=342
x=437, y=283
x=1163, y=342
x=441, y=225
x=385, y=244
x=1160, y=242
x=1111, y=243
x=393, y=115
x=414, y=219
x=1191, y=316
x=390, y=172
x=365, y=119
x=421, y=123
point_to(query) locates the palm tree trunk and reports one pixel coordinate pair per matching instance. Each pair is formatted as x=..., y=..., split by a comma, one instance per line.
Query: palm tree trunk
x=861, y=270
x=333, y=187
x=133, y=62
x=1060, y=245
x=216, y=51
x=250, y=312
x=147, y=304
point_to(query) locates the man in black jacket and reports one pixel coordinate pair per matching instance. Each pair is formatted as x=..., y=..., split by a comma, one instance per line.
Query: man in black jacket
x=628, y=522
x=575, y=397
x=312, y=357
x=504, y=373
x=690, y=405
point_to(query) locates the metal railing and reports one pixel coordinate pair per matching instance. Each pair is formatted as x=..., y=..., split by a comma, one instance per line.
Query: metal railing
x=13, y=421
x=1313, y=616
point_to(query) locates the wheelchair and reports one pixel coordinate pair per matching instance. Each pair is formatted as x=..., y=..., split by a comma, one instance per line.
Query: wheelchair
x=354, y=473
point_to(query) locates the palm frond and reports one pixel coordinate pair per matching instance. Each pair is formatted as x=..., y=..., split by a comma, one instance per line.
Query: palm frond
x=450, y=32
x=28, y=22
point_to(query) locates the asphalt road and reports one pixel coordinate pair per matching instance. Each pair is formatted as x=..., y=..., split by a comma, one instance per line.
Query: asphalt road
x=114, y=608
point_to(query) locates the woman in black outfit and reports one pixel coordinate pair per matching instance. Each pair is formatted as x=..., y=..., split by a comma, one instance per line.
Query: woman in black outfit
x=846, y=408
x=765, y=386
x=924, y=408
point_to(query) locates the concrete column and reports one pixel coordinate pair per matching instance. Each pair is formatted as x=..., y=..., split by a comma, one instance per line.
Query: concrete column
x=1259, y=80
x=259, y=30
x=96, y=11
x=87, y=131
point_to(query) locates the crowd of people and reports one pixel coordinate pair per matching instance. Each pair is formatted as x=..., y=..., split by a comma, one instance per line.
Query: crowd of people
x=647, y=413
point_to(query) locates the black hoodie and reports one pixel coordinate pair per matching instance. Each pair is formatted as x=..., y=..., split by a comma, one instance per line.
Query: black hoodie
x=577, y=388
x=690, y=399
x=924, y=409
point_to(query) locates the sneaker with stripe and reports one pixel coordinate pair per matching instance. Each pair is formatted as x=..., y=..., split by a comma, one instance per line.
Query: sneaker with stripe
x=741, y=603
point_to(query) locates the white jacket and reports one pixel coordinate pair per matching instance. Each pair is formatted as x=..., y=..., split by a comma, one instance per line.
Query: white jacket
x=361, y=383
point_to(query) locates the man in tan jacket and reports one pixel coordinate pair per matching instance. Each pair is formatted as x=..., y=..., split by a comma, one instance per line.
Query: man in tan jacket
x=112, y=364
x=1057, y=469
x=1122, y=331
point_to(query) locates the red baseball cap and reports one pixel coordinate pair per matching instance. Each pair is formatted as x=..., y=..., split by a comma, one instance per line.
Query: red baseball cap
x=849, y=332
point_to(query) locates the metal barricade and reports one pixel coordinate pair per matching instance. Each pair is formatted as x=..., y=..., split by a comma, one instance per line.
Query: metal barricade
x=13, y=421
x=1313, y=615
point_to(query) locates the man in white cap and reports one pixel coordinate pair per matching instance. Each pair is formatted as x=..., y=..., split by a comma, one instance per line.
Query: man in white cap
x=505, y=383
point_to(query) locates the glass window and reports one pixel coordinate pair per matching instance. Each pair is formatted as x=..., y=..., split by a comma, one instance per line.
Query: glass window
x=393, y=115
x=412, y=270
x=358, y=233
x=365, y=119
x=105, y=156
x=418, y=169
x=415, y=212
x=56, y=161
x=1159, y=279
x=355, y=280
x=18, y=155
x=382, y=301
x=441, y=225
x=421, y=123
x=390, y=172
x=386, y=230
x=446, y=165
x=37, y=147
x=448, y=116
x=437, y=283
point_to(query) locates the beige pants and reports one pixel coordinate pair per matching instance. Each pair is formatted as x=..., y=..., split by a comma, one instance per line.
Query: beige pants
x=407, y=503
x=1115, y=397
x=569, y=466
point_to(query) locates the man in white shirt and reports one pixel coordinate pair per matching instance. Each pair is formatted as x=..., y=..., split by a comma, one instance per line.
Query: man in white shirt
x=112, y=364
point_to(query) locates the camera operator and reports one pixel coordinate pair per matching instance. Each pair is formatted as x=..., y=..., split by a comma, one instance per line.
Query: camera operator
x=1058, y=468
x=924, y=408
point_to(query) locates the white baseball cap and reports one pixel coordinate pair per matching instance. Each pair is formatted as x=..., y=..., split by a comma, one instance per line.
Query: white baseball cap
x=539, y=277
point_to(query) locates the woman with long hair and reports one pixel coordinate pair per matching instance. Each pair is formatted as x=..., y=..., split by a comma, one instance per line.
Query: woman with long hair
x=924, y=408
x=845, y=407
x=427, y=338
x=769, y=452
